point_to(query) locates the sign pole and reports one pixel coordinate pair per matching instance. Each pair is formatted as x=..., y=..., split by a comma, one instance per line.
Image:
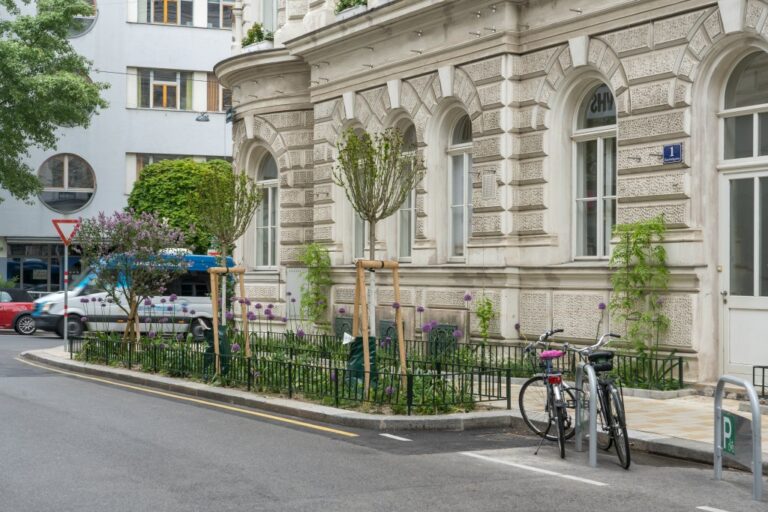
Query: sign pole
x=66, y=297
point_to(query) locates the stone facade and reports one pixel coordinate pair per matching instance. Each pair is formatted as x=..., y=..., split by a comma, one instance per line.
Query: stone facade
x=519, y=72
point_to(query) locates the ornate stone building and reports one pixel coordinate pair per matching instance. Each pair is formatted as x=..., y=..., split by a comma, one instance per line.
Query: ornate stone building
x=541, y=123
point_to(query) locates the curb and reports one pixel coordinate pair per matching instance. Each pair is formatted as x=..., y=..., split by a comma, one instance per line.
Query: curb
x=669, y=447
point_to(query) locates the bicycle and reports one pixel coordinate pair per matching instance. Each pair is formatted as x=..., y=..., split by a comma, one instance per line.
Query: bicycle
x=610, y=401
x=545, y=399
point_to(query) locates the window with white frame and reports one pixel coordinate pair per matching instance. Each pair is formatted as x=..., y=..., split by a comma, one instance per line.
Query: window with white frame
x=68, y=183
x=266, y=214
x=406, y=217
x=165, y=89
x=745, y=109
x=269, y=14
x=220, y=14
x=167, y=12
x=594, y=140
x=460, y=187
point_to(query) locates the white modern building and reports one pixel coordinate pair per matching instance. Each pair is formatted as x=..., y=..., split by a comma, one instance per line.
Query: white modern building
x=164, y=102
x=541, y=123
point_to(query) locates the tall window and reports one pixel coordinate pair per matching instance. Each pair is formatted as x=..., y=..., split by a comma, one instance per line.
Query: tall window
x=68, y=183
x=220, y=13
x=595, y=174
x=269, y=14
x=460, y=186
x=219, y=98
x=745, y=109
x=167, y=89
x=266, y=214
x=168, y=12
x=406, y=216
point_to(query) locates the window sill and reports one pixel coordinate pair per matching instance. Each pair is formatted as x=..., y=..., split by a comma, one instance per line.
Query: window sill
x=176, y=25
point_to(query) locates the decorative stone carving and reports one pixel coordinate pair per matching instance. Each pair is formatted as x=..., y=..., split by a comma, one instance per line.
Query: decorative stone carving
x=667, y=125
x=535, y=312
x=345, y=294
x=664, y=186
x=674, y=30
x=652, y=65
x=535, y=63
x=699, y=43
x=577, y=313
x=629, y=41
x=596, y=50
x=485, y=224
x=675, y=214
x=754, y=13
x=261, y=292
x=688, y=66
x=564, y=58
x=713, y=25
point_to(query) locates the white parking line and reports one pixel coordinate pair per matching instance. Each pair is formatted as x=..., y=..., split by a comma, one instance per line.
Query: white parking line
x=711, y=509
x=534, y=469
x=397, y=438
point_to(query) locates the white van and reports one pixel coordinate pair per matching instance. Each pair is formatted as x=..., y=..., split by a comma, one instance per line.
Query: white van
x=186, y=306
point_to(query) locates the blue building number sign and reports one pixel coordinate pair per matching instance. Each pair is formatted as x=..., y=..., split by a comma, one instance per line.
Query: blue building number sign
x=673, y=153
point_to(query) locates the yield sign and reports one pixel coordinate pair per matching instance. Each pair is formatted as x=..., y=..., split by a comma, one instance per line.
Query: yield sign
x=66, y=229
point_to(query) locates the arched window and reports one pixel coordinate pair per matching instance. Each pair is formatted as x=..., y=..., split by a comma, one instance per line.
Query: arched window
x=68, y=183
x=266, y=214
x=406, y=216
x=460, y=186
x=83, y=23
x=745, y=109
x=594, y=138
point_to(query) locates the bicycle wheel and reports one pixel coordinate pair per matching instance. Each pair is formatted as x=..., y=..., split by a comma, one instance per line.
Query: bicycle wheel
x=619, y=427
x=534, y=406
x=560, y=414
x=604, y=440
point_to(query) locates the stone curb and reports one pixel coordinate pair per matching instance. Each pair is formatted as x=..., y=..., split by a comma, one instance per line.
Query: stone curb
x=670, y=447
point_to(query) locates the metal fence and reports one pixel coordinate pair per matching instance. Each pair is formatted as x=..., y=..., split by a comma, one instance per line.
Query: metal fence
x=760, y=380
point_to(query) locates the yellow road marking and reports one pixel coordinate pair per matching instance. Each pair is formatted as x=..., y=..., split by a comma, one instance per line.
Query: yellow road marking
x=195, y=400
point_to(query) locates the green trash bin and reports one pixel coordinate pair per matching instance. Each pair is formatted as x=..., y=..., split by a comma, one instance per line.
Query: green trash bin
x=356, y=361
x=209, y=358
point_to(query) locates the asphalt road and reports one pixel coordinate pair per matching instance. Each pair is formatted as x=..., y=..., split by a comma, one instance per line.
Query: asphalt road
x=72, y=444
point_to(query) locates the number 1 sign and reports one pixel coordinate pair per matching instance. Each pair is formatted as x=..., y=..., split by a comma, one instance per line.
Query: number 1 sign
x=673, y=153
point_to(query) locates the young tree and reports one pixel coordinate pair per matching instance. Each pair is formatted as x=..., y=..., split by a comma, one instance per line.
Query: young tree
x=377, y=178
x=225, y=207
x=131, y=253
x=168, y=189
x=44, y=86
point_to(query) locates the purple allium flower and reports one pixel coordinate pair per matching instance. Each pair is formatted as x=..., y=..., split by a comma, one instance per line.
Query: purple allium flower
x=458, y=334
x=288, y=294
x=147, y=301
x=229, y=315
x=169, y=308
x=270, y=306
x=146, y=320
x=659, y=301
x=101, y=299
x=419, y=309
x=389, y=390
x=234, y=299
x=103, y=304
x=247, y=302
x=293, y=299
x=333, y=376
x=433, y=323
x=162, y=301
x=386, y=341
x=185, y=309
x=173, y=297
x=164, y=320
x=256, y=374
x=427, y=327
x=285, y=319
x=300, y=333
x=517, y=327
x=151, y=334
x=257, y=305
x=191, y=311
x=601, y=306
x=84, y=300
x=342, y=311
x=251, y=316
x=83, y=319
x=241, y=301
x=93, y=299
x=162, y=346
x=235, y=348
x=268, y=312
x=467, y=297
x=395, y=305
x=180, y=337
x=109, y=299
x=270, y=317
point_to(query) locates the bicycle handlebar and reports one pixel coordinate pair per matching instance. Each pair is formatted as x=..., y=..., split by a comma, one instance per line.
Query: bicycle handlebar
x=587, y=350
x=542, y=339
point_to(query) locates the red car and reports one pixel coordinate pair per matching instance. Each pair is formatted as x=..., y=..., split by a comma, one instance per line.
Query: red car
x=15, y=308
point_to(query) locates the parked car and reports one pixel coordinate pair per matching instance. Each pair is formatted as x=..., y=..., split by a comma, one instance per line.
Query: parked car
x=46, y=321
x=16, y=311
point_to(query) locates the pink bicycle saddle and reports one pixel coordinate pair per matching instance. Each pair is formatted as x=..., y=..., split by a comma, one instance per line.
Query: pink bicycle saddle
x=551, y=354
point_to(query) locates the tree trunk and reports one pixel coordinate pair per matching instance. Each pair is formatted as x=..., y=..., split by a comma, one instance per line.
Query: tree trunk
x=224, y=287
x=131, y=331
x=372, y=287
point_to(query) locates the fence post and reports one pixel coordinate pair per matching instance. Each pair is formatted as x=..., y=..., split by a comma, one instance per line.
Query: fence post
x=154, y=358
x=106, y=352
x=509, y=389
x=680, y=372
x=290, y=378
x=336, y=388
x=250, y=374
x=130, y=353
x=409, y=392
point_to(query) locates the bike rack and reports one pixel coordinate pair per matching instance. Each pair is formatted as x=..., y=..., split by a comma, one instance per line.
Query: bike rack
x=757, y=451
x=592, y=380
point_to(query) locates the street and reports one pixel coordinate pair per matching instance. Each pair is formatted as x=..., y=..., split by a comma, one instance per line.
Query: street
x=73, y=443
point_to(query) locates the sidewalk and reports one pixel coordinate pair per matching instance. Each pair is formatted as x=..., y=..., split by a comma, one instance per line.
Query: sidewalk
x=678, y=427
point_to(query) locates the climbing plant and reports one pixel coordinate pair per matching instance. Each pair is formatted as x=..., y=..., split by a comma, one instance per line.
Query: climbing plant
x=317, y=282
x=639, y=280
x=485, y=313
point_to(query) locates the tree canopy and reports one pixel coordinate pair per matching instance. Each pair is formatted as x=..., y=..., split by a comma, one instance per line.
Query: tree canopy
x=169, y=189
x=44, y=86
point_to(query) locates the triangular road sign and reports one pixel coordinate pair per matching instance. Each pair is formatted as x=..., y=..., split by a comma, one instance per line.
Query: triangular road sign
x=66, y=229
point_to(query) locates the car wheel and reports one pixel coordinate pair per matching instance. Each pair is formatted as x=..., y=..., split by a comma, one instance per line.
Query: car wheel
x=76, y=327
x=25, y=325
x=198, y=326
